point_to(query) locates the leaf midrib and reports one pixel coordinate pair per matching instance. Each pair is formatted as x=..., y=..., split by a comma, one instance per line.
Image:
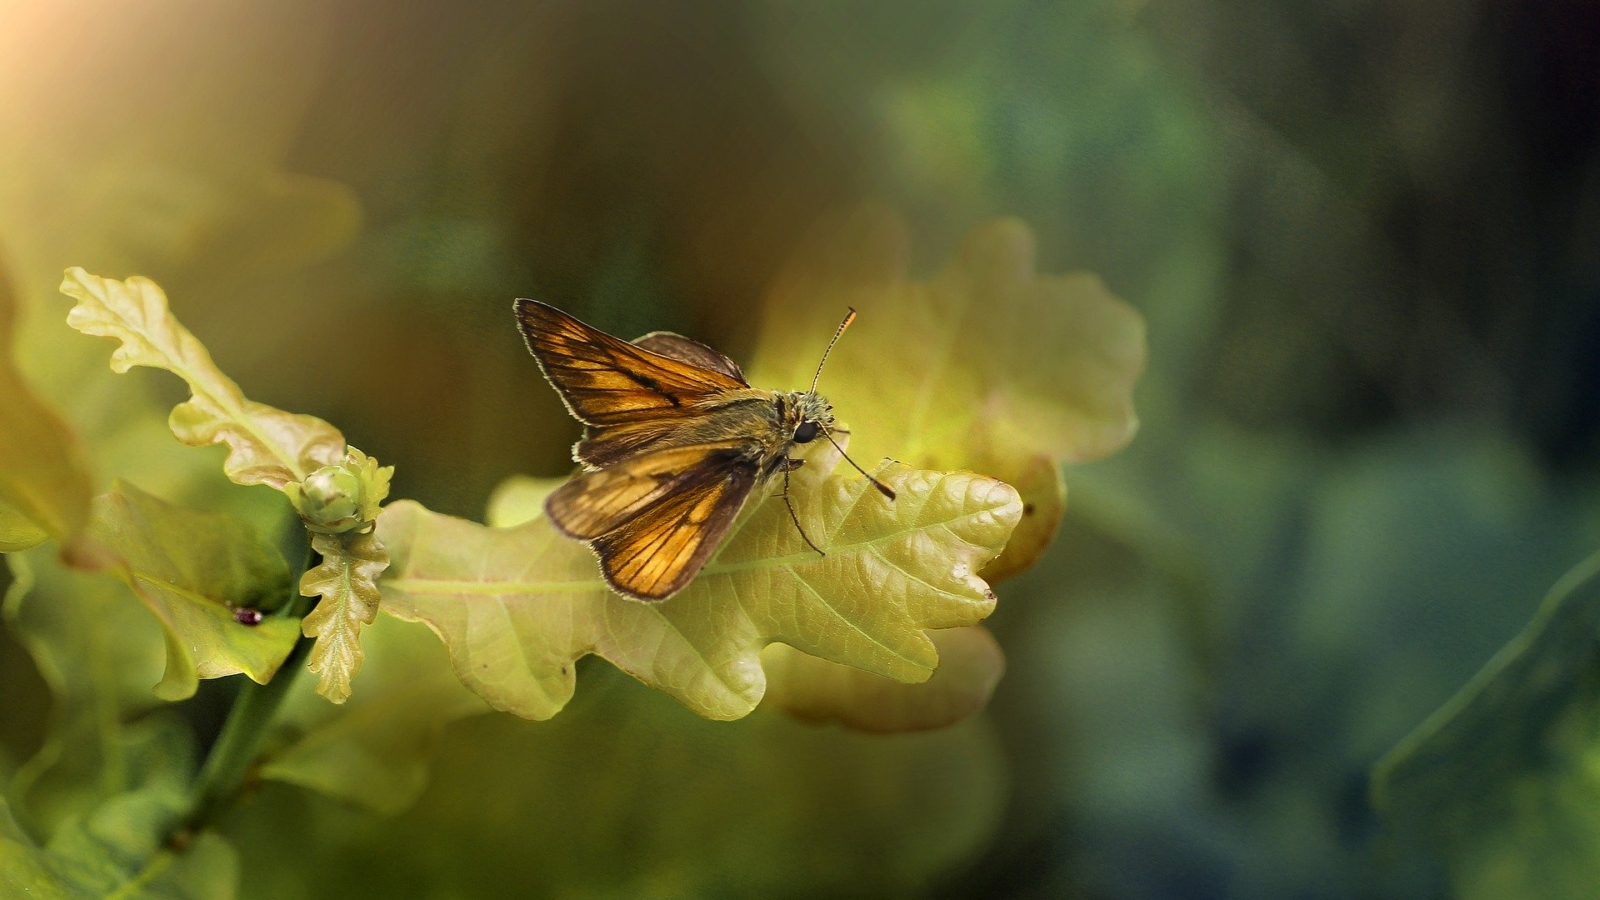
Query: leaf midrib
x=189, y=594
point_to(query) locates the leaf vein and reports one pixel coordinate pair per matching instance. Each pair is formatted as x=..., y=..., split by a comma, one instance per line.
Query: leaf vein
x=841, y=617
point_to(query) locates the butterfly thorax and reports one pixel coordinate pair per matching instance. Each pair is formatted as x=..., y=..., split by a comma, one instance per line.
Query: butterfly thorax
x=772, y=421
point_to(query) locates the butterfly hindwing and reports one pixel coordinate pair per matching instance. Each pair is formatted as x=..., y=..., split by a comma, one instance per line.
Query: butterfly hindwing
x=661, y=550
x=602, y=447
x=655, y=519
x=690, y=351
x=608, y=381
x=593, y=503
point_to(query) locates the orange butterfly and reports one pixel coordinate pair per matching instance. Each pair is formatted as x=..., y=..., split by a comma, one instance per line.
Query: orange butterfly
x=676, y=441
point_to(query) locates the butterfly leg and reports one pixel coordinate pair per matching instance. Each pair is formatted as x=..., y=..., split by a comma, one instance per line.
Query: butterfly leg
x=789, y=465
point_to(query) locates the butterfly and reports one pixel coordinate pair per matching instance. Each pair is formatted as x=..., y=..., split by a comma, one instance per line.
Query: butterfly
x=675, y=442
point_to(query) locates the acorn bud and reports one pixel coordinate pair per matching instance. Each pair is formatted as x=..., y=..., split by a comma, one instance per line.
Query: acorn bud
x=329, y=500
x=342, y=498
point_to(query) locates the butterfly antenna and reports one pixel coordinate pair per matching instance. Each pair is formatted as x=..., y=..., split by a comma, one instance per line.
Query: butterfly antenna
x=883, y=489
x=848, y=318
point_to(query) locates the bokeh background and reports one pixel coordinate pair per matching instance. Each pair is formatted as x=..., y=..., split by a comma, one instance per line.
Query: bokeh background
x=1365, y=236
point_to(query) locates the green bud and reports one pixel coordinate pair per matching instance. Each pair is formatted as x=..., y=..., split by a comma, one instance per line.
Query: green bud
x=329, y=500
x=341, y=498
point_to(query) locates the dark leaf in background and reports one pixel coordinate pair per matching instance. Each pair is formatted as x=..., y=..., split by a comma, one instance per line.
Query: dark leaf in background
x=628, y=794
x=1500, y=782
x=118, y=849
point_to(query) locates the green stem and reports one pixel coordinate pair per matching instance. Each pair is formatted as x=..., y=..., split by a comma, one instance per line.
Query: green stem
x=222, y=778
x=152, y=870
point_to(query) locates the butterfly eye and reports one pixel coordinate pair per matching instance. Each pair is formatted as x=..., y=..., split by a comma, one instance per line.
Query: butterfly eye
x=806, y=433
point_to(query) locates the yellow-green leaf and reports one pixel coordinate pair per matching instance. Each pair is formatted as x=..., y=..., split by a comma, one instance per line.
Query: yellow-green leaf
x=374, y=751
x=519, y=499
x=26, y=870
x=987, y=366
x=17, y=531
x=347, y=582
x=517, y=607
x=1044, y=502
x=99, y=652
x=193, y=570
x=266, y=445
x=44, y=477
x=816, y=690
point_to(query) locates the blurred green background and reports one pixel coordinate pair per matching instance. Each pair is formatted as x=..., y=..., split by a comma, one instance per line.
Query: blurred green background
x=1365, y=236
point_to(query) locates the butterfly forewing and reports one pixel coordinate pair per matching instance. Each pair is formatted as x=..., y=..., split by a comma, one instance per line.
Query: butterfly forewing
x=608, y=381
